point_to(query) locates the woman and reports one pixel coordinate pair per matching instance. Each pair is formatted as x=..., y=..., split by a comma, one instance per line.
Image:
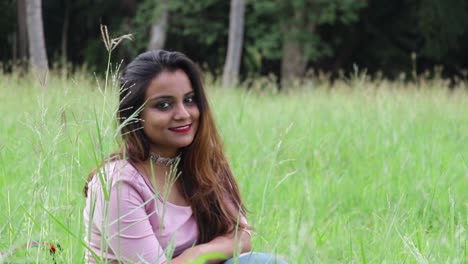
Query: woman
x=169, y=195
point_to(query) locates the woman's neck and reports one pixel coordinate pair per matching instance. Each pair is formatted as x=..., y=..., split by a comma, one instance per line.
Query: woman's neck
x=160, y=160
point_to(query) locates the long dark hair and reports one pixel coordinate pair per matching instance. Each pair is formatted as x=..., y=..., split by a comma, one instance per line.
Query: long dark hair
x=206, y=178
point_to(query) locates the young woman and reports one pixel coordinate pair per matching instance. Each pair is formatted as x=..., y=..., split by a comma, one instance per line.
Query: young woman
x=169, y=195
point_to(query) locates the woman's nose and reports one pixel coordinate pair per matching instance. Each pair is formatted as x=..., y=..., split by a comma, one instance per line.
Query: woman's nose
x=181, y=112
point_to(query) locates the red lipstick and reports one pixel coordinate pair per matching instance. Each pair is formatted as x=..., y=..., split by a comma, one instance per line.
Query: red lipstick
x=181, y=129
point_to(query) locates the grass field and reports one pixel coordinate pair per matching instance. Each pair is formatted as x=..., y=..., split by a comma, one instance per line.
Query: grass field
x=364, y=172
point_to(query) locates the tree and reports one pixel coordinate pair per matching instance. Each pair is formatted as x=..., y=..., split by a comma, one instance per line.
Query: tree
x=281, y=37
x=65, y=30
x=35, y=28
x=200, y=30
x=22, y=35
x=294, y=49
x=389, y=32
x=158, y=29
x=236, y=38
x=300, y=41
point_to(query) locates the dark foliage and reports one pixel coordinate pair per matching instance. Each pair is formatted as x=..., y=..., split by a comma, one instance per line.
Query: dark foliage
x=377, y=35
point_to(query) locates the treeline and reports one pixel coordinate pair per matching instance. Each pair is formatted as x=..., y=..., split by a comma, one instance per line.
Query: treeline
x=285, y=37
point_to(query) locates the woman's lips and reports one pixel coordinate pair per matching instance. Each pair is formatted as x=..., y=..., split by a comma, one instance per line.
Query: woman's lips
x=181, y=129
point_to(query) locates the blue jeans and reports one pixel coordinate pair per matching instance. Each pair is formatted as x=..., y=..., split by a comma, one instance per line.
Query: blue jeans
x=256, y=258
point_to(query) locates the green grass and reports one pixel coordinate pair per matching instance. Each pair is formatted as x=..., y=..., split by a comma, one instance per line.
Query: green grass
x=374, y=172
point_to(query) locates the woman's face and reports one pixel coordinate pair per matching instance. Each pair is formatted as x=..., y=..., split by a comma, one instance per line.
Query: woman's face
x=170, y=116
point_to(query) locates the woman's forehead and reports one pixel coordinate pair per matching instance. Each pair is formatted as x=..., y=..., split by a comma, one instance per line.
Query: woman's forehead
x=169, y=83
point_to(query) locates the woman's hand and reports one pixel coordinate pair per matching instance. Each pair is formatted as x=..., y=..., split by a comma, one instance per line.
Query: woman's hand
x=225, y=245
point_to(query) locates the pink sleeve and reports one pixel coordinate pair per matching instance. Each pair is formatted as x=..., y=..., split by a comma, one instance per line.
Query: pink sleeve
x=131, y=236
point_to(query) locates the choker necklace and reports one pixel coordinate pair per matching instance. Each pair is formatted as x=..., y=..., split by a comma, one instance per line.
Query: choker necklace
x=156, y=159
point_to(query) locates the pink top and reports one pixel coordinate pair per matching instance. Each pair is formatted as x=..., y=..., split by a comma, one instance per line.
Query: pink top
x=135, y=225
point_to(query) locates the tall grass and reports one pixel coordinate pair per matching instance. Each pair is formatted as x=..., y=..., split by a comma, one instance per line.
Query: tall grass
x=358, y=172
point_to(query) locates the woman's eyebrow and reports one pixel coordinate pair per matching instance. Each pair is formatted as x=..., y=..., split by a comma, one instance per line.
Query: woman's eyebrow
x=161, y=97
x=166, y=97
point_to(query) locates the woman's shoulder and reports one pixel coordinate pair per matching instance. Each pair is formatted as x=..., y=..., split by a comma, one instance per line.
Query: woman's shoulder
x=121, y=177
x=116, y=171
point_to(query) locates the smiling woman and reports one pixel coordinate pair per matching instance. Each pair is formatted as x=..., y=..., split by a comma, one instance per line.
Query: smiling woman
x=171, y=113
x=169, y=194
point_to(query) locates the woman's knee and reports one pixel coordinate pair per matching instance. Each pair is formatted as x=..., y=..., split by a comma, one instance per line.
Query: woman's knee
x=256, y=258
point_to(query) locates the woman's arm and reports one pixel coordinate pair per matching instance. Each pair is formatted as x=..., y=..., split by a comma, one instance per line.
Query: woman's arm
x=125, y=231
x=226, y=245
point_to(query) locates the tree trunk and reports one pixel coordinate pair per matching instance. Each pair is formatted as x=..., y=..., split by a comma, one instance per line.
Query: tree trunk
x=236, y=39
x=22, y=36
x=295, y=51
x=159, y=30
x=66, y=25
x=37, y=51
x=293, y=63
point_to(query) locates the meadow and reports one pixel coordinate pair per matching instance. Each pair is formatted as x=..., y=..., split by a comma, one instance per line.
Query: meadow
x=357, y=171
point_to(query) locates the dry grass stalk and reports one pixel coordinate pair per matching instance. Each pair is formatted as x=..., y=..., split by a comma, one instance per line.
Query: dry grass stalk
x=111, y=44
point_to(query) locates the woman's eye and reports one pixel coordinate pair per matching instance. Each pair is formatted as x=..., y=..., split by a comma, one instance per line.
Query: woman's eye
x=162, y=105
x=190, y=100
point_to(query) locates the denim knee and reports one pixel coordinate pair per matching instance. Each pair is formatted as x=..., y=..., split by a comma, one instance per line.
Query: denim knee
x=256, y=258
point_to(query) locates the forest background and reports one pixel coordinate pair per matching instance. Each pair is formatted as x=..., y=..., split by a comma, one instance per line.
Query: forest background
x=279, y=38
